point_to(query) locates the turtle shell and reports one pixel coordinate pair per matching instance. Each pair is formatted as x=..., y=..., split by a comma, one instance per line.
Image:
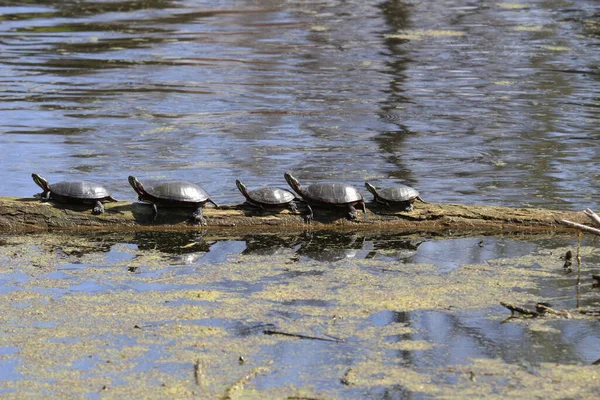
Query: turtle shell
x=178, y=191
x=332, y=193
x=398, y=193
x=80, y=190
x=271, y=196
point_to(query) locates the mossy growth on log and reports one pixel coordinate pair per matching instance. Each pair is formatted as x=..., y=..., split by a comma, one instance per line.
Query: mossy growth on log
x=29, y=214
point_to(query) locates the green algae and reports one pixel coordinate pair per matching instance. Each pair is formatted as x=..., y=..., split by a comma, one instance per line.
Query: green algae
x=139, y=334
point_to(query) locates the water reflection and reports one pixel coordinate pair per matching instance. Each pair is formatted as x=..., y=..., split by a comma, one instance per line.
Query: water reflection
x=442, y=97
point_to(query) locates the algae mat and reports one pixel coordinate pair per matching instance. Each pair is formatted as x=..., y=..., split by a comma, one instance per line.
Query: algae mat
x=152, y=317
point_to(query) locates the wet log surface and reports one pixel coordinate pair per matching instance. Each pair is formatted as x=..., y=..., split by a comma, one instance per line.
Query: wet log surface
x=29, y=214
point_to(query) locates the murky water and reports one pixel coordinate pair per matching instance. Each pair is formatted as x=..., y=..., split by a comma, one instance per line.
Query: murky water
x=471, y=102
x=145, y=302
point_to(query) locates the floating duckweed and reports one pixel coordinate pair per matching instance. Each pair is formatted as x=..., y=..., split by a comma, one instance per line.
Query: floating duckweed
x=138, y=333
x=419, y=34
x=557, y=48
x=532, y=28
x=504, y=83
x=409, y=345
x=511, y=6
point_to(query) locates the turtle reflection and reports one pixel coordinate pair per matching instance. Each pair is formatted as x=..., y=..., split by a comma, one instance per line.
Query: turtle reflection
x=177, y=243
x=331, y=246
x=267, y=245
x=394, y=248
x=334, y=246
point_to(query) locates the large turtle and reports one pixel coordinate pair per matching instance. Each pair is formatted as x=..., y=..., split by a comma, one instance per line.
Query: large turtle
x=329, y=194
x=173, y=194
x=268, y=197
x=400, y=196
x=75, y=192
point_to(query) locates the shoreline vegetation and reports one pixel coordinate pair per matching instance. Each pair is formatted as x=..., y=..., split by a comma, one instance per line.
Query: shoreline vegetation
x=29, y=214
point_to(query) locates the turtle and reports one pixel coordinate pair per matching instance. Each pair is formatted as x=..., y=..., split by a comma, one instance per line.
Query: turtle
x=328, y=194
x=74, y=192
x=400, y=196
x=268, y=197
x=173, y=194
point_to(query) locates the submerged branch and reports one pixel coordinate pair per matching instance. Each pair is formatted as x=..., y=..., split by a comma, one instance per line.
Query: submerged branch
x=301, y=336
x=28, y=214
x=234, y=390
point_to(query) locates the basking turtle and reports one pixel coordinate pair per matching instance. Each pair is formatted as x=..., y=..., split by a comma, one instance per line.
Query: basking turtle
x=75, y=192
x=173, y=194
x=400, y=196
x=268, y=197
x=329, y=194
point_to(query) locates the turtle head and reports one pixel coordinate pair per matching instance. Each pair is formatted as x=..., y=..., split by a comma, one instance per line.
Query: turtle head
x=241, y=187
x=371, y=188
x=293, y=182
x=137, y=186
x=41, y=182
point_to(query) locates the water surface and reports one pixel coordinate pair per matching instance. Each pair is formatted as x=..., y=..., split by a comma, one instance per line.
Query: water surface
x=470, y=102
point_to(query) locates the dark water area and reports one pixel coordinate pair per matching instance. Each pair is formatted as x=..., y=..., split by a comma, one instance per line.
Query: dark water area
x=495, y=103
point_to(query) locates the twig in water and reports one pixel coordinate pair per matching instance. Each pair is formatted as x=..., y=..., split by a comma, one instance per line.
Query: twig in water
x=300, y=336
x=578, y=252
x=348, y=378
x=516, y=309
x=199, y=373
x=543, y=308
x=233, y=390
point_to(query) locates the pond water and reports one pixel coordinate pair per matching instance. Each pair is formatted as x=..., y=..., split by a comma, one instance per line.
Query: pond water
x=323, y=314
x=470, y=102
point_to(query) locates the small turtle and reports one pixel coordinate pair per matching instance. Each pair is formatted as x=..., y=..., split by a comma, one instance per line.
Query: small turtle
x=328, y=194
x=75, y=192
x=268, y=197
x=400, y=196
x=173, y=194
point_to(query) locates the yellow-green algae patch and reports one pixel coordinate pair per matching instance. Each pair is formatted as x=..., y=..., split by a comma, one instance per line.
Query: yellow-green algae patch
x=491, y=378
x=143, y=334
x=419, y=34
x=511, y=6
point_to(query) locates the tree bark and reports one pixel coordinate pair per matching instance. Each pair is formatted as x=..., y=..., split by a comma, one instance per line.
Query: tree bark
x=29, y=214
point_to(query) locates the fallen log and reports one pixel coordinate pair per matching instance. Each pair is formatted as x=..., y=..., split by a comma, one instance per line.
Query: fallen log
x=29, y=214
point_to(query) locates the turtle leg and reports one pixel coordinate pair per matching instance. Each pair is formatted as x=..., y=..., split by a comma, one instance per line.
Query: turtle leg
x=98, y=208
x=352, y=213
x=309, y=217
x=154, y=212
x=44, y=196
x=408, y=207
x=364, y=209
x=198, y=216
x=293, y=206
